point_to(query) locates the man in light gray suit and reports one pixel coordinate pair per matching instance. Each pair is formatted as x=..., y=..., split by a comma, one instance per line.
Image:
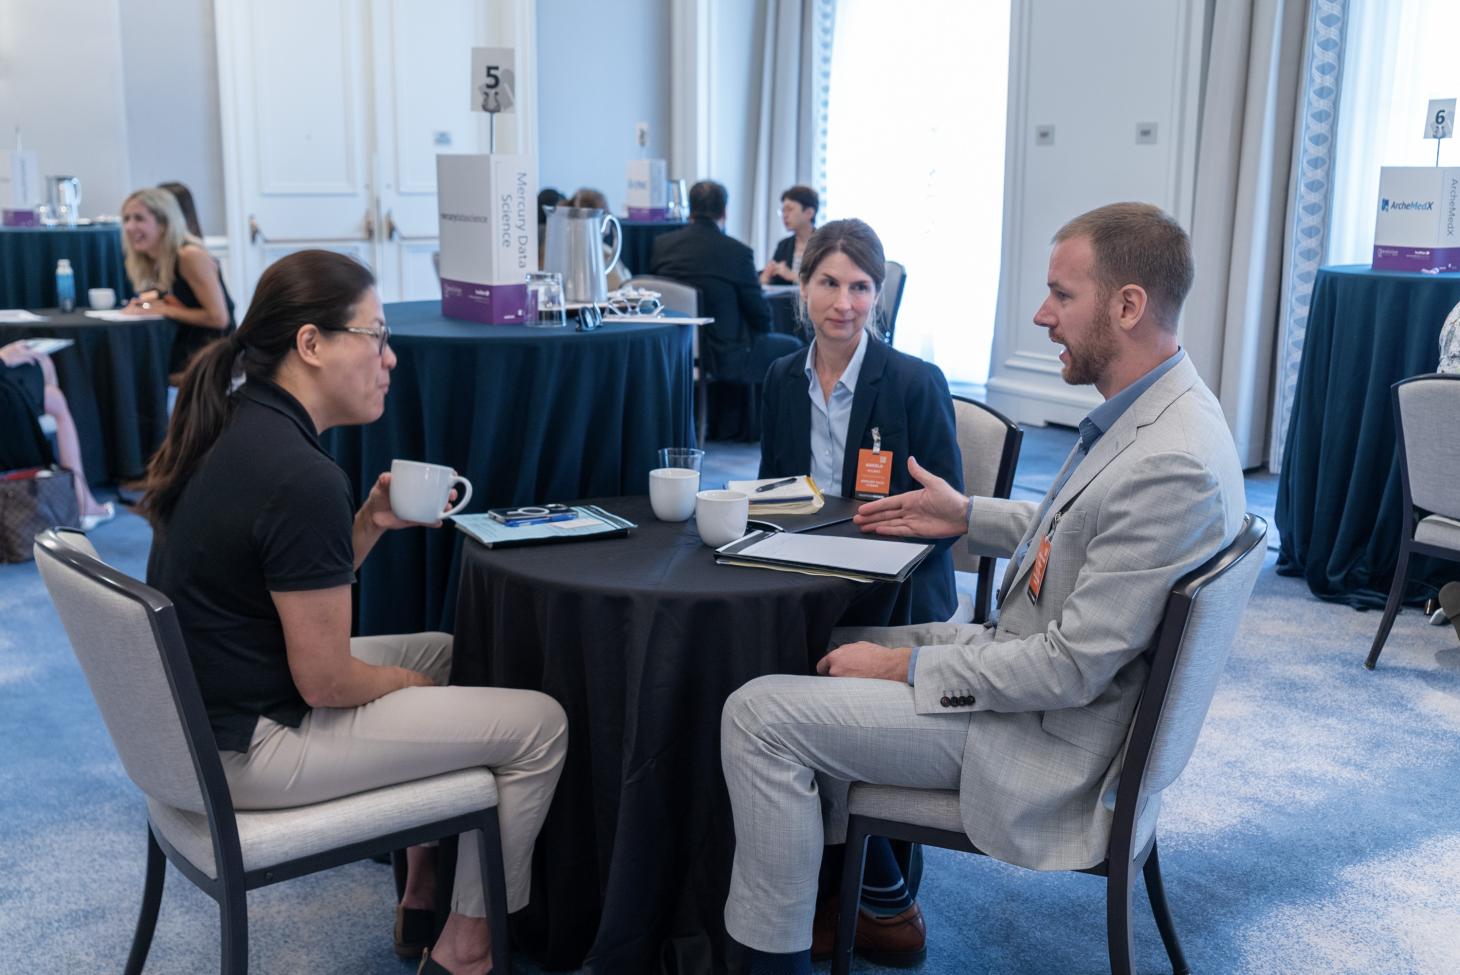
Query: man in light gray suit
x=1026, y=717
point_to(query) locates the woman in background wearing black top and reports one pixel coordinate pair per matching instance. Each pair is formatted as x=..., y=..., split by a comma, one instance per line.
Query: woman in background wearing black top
x=257, y=542
x=163, y=257
x=798, y=214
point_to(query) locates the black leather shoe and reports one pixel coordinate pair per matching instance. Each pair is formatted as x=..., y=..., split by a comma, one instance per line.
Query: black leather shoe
x=429, y=967
x=412, y=931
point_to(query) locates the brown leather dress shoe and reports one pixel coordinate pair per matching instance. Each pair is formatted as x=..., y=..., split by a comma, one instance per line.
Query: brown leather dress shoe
x=900, y=941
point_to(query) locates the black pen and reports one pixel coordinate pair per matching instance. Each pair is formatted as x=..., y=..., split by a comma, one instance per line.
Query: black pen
x=776, y=484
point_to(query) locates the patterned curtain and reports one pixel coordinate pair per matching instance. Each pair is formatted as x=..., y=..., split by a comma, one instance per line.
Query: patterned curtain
x=1306, y=241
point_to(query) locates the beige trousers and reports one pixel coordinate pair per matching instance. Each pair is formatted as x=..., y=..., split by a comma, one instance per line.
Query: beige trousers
x=414, y=733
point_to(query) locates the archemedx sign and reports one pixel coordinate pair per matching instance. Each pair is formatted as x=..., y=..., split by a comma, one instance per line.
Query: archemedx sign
x=1416, y=227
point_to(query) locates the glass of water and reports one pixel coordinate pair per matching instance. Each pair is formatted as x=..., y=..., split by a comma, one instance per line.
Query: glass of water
x=686, y=457
x=545, y=291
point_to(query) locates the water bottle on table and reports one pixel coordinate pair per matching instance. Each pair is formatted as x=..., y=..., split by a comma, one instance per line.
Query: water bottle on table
x=65, y=286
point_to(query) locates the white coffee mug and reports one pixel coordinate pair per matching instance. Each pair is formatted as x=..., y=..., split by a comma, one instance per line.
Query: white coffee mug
x=101, y=298
x=721, y=515
x=419, y=492
x=672, y=492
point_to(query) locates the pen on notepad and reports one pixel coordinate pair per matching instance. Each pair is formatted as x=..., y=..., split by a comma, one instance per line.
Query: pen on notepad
x=775, y=484
x=564, y=516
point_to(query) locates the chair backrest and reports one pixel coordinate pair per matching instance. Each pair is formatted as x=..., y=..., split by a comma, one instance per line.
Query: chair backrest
x=1191, y=649
x=989, y=442
x=126, y=637
x=1425, y=413
x=675, y=295
x=890, y=300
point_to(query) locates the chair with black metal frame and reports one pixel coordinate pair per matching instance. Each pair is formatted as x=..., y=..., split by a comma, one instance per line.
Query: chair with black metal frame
x=1189, y=650
x=983, y=434
x=130, y=646
x=890, y=299
x=1425, y=408
x=676, y=296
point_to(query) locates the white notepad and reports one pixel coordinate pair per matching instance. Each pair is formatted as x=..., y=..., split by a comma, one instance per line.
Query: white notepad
x=871, y=558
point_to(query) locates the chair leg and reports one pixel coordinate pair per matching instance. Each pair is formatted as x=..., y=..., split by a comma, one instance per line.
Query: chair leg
x=494, y=879
x=702, y=409
x=1156, y=892
x=233, y=925
x=1391, y=608
x=1117, y=915
x=849, y=898
x=151, y=901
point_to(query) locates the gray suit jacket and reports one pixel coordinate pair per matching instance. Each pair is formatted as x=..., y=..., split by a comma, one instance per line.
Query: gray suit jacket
x=1052, y=689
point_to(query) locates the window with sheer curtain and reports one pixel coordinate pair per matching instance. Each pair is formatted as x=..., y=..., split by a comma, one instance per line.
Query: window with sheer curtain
x=915, y=146
x=1397, y=56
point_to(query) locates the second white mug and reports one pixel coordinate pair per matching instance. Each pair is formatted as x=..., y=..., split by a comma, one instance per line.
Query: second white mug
x=720, y=516
x=419, y=492
x=672, y=492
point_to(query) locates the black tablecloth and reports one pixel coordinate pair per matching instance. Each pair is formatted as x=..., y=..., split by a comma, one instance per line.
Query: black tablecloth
x=1339, y=507
x=641, y=640
x=526, y=415
x=28, y=257
x=115, y=381
x=639, y=237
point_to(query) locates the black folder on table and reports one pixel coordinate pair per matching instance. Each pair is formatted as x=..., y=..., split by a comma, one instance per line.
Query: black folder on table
x=833, y=511
x=860, y=559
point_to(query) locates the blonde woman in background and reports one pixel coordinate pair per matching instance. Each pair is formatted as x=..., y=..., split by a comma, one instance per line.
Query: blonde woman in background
x=173, y=275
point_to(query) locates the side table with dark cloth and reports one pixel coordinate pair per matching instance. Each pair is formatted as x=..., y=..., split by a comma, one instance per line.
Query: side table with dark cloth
x=640, y=640
x=115, y=381
x=639, y=236
x=526, y=415
x=1339, y=497
x=28, y=257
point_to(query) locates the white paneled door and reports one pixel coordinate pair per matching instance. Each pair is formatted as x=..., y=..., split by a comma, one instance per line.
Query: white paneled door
x=333, y=114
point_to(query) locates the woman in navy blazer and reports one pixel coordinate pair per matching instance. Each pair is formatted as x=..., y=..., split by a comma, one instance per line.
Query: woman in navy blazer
x=822, y=405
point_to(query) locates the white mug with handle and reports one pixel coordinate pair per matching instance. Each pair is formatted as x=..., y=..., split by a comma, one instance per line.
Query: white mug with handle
x=419, y=492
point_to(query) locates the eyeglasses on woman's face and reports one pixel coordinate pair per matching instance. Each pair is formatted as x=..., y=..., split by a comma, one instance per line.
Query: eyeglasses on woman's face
x=382, y=334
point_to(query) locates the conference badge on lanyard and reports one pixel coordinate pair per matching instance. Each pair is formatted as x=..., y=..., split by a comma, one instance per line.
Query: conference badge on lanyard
x=1041, y=561
x=874, y=470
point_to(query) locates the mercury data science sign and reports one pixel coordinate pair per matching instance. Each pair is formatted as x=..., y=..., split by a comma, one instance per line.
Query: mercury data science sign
x=488, y=208
x=1417, y=226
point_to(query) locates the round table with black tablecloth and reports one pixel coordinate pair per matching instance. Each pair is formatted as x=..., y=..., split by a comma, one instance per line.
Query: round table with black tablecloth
x=1339, y=497
x=526, y=414
x=115, y=380
x=641, y=639
x=28, y=257
x=639, y=237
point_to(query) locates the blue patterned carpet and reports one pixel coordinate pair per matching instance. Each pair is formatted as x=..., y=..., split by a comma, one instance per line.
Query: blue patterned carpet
x=1315, y=830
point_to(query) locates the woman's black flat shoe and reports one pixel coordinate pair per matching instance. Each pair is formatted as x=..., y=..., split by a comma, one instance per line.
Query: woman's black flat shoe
x=413, y=929
x=429, y=967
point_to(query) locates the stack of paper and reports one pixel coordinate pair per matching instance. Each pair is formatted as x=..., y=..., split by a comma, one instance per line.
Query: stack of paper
x=14, y=316
x=592, y=522
x=858, y=559
x=800, y=496
x=48, y=346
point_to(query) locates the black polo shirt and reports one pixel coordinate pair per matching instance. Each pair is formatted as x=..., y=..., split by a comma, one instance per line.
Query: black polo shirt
x=267, y=511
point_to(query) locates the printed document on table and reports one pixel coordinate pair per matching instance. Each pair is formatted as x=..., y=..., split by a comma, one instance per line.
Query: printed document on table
x=869, y=556
x=17, y=316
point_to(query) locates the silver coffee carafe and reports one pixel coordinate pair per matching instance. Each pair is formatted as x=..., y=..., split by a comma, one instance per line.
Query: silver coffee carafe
x=575, y=250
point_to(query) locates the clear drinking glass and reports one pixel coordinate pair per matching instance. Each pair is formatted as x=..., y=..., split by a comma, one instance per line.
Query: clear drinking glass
x=686, y=457
x=546, y=291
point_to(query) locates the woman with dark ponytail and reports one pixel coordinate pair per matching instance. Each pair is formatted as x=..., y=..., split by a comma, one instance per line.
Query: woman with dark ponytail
x=257, y=541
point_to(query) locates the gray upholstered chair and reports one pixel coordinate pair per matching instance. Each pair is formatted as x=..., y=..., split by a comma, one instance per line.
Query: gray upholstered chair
x=989, y=442
x=130, y=647
x=1425, y=411
x=890, y=300
x=1187, y=656
x=676, y=296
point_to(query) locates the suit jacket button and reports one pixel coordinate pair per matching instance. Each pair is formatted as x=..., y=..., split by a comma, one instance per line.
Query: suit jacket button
x=968, y=701
x=946, y=701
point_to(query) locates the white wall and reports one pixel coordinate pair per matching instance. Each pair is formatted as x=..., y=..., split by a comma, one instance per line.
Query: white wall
x=1092, y=71
x=737, y=31
x=61, y=81
x=602, y=68
x=170, y=67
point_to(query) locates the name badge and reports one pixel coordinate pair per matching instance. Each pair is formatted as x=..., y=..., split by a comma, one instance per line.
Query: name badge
x=1041, y=561
x=874, y=474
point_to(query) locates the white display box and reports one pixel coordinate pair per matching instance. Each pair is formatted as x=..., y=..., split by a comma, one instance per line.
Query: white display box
x=1416, y=225
x=488, y=210
x=648, y=197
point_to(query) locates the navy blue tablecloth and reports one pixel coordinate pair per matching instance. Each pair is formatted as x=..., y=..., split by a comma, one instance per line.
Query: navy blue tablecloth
x=639, y=237
x=28, y=257
x=527, y=415
x=1339, y=507
x=115, y=380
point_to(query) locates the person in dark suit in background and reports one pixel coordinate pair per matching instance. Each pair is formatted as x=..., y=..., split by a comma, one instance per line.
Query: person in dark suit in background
x=740, y=344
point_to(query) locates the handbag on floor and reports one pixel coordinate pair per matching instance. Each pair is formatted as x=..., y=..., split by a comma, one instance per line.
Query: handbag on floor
x=31, y=501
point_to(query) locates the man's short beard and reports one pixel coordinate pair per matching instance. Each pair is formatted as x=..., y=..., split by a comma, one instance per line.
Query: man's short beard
x=1098, y=349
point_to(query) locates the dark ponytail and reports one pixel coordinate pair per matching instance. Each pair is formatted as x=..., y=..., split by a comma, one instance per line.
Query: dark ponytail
x=307, y=287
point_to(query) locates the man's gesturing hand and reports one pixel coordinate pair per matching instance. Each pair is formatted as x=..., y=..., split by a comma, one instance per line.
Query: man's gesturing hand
x=935, y=510
x=864, y=659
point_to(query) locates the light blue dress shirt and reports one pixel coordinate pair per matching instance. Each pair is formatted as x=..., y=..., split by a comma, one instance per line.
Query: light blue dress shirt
x=1092, y=428
x=829, y=418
